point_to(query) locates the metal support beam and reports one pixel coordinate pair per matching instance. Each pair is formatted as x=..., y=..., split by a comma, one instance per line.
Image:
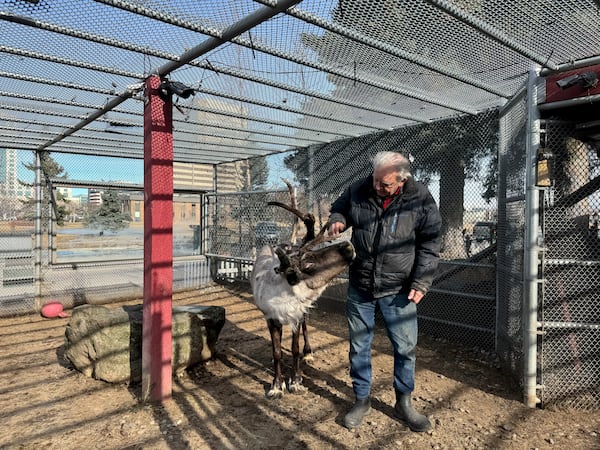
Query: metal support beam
x=491, y=32
x=532, y=247
x=576, y=101
x=158, y=245
x=243, y=25
x=572, y=64
x=113, y=103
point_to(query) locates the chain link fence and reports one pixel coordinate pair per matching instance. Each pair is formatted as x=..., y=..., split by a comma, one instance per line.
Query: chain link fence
x=569, y=309
x=511, y=230
x=90, y=245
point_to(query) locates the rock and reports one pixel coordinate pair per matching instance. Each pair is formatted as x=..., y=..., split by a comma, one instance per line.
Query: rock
x=106, y=343
x=508, y=426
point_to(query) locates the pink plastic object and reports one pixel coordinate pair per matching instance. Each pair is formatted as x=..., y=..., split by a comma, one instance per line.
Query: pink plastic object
x=53, y=309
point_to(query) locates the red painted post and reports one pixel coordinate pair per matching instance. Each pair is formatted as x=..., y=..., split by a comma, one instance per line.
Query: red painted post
x=158, y=245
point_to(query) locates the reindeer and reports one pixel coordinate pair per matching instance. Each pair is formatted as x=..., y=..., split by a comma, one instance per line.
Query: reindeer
x=286, y=281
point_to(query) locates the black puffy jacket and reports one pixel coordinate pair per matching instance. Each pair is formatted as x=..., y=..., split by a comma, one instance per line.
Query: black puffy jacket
x=396, y=249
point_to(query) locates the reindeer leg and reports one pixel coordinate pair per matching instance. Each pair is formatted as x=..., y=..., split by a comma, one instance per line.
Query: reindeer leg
x=295, y=384
x=307, y=351
x=278, y=385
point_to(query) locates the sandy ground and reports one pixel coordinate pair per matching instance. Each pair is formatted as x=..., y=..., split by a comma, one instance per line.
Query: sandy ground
x=46, y=404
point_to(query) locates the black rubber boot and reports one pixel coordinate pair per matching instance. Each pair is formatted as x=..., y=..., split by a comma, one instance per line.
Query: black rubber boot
x=360, y=409
x=404, y=411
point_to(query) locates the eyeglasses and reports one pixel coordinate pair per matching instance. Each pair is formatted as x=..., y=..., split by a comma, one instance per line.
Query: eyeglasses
x=384, y=185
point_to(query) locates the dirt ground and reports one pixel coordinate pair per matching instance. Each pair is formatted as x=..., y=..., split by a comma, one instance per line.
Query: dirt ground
x=46, y=404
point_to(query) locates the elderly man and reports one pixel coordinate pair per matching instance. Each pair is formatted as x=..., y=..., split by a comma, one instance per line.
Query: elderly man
x=396, y=234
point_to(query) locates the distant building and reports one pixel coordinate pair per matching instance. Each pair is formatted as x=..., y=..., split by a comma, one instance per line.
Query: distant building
x=80, y=199
x=9, y=183
x=186, y=175
x=230, y=177
x=186, y=208
x=95, y=197
x=66, y=192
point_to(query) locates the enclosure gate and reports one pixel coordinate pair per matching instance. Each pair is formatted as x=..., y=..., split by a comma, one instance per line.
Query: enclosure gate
x=511, y=229
x=569, y=306
x=232, y=230
x=567, y=309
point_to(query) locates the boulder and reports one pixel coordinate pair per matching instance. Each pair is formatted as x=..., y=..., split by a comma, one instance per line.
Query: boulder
x=106, y=343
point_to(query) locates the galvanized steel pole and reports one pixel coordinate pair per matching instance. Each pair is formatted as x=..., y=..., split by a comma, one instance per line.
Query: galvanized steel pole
x=531, y=246
x=243, y=25
x=37, y=246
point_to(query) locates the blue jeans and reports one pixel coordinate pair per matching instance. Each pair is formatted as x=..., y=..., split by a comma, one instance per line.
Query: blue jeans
x=400, y=316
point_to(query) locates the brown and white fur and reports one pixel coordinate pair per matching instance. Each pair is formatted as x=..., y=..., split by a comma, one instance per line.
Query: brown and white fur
x=286, y=282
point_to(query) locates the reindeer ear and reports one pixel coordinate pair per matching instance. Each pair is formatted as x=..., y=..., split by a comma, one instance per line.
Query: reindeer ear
x=284, y=260
x=308, y=265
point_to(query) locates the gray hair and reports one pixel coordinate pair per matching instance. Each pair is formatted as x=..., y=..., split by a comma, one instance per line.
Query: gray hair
x=393, y=159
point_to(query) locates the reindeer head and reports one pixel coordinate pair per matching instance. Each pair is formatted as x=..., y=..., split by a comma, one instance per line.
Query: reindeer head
x=315, y=267
x=316, y=262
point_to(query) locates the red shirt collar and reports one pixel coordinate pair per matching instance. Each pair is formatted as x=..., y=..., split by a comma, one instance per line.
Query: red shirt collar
x=388, y=200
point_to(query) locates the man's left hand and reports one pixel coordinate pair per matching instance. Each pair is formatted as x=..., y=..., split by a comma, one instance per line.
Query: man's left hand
x=415, y=296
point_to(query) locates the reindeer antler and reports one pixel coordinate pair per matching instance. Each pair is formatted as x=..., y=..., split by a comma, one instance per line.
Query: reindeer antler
x=318, y=239
x=307, y=218
x=293, y=204
x=289, y=262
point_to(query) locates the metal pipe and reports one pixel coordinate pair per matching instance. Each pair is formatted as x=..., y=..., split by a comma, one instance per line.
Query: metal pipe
x=310, y=189
x=243, y=25
x=456, y=324
x=519, y=96
x=577, y=101
x=570, y=325
x=531, y=244
x=461, y=294
x=37, y=248
x=113, y=103
x=572, y=65
x=490, y=31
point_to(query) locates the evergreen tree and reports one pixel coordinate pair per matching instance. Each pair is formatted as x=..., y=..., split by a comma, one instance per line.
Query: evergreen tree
x=259, y=172
x=50, y=170
x=109, y=216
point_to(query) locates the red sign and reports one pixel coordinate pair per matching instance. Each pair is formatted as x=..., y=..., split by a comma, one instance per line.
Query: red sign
x=572, y=84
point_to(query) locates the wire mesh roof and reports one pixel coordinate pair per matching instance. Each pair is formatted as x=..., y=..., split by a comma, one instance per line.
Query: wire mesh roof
x=269, y=76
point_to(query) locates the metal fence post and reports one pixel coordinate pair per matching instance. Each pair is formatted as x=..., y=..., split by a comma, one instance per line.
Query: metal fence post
x=37, y=251
x=531, y=248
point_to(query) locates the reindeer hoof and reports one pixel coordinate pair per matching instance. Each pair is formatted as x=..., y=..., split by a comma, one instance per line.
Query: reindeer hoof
x=297, y=387
x=275, y=392
x=308, y=358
